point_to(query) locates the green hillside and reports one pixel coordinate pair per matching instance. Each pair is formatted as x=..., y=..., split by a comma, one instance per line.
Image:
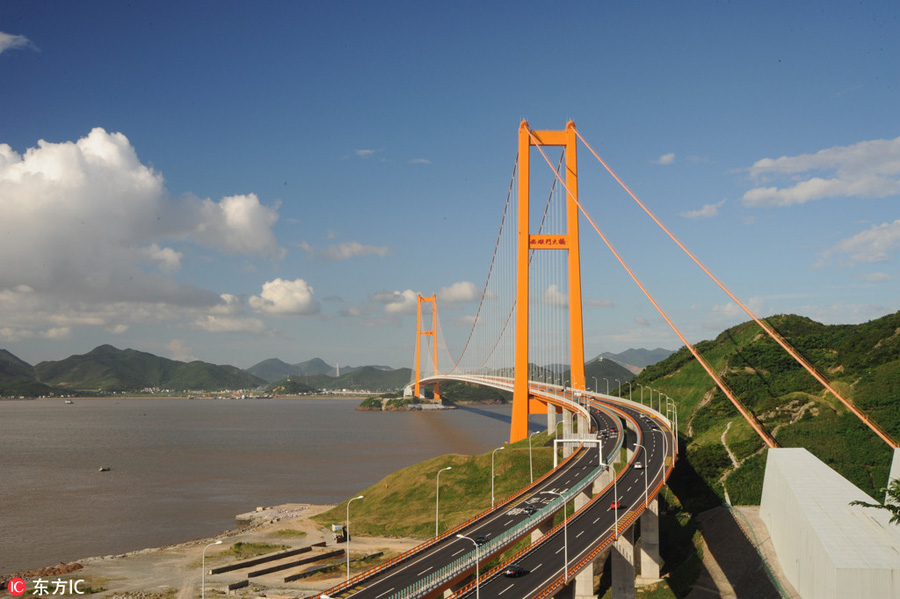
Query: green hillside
x=403, y=503
x=863, y=362
x=109, y=369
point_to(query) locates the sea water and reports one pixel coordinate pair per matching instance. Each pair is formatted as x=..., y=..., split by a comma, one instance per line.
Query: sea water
x=181, y=469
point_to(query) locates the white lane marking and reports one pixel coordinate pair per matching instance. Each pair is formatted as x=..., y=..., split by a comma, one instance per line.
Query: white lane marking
x=508, y=522
x=559, y=550
x=506, y=589
x=579, y=534
x=537, y=566
x=425, y=570
x=385, y=593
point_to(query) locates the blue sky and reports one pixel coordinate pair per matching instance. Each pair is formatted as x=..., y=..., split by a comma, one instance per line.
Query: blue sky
x=238, y=181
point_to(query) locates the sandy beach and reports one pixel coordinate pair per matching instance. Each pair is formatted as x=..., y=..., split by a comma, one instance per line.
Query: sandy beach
x=174, y=571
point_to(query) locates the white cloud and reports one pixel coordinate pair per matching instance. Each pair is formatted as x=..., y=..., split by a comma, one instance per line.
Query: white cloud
x=666, y=159
x=554, y=297
x=420, y=161
x=90, y=237
x=226, y=324
x=180, y=351
x=868, y=169
x=364, y=153
x=236, y=225
x=397, y=302
x=708, y=211
x=346, y=250
x=875, y=277
x=285, y=298
x=463, y=291
x=9, y=42
x=876, y=244
x=598, y=303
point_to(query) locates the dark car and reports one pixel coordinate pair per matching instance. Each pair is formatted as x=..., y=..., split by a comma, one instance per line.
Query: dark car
x=514, y=571
x=530, y=509
x=481, y=540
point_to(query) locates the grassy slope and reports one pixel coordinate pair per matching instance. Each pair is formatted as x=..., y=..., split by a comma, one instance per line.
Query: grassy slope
x=863, y=362
x=403, y=503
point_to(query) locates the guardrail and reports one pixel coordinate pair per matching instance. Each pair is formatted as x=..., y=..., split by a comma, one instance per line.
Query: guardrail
x=434, y=540
x=434, y=580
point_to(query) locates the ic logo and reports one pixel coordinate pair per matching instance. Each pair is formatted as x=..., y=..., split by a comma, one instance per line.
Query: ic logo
x=16, y=587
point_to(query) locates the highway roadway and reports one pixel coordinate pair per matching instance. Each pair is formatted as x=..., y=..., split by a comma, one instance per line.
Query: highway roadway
x=594, y=527
x=450, y=560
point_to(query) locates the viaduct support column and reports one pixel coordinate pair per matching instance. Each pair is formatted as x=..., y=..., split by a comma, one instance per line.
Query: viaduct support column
x=567, y=432
x=623, y=565
x=551, y=419
x=650, y=559
x=584, y=580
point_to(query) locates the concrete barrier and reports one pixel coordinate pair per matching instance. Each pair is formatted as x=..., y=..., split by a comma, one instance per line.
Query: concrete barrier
x=827, y=548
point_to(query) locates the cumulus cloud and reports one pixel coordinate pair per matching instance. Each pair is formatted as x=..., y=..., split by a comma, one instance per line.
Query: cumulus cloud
x=708, y=211
x=463, y=291
x=11, y=42
x=92, y=237
x=285, y=298
x=868, y=169
x=876, y=244
x=555, y=297
x=666, y=159
x=346, y=250
x=397, y=302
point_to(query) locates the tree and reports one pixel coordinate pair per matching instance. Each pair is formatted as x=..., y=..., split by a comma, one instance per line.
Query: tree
x=891, y=501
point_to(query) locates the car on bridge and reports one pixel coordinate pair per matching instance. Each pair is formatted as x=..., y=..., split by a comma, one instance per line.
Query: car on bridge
x=514, y=571
x=615, y=505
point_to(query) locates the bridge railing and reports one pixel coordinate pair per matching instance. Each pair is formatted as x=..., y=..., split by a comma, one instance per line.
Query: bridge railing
x=429, y=583
x=434, y=540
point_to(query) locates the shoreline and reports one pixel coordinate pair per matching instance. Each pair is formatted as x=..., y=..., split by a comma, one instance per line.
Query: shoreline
x=174, y=570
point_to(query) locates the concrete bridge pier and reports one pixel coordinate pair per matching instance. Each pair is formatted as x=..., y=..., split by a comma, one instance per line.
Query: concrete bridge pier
x=567, y=432
x=650, y=558
x=551, y=419
x=542, y=529
x=622, y=556
x=584, y=582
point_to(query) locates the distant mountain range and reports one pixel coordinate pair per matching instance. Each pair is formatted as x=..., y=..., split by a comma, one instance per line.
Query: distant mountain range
x=107, y=369
x=636, y=360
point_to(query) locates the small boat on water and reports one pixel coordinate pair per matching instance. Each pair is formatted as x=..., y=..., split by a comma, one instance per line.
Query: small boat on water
x=104, y=468
x=69, y=402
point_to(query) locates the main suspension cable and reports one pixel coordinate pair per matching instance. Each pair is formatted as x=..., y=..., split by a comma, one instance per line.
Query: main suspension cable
x=748, y=416
x=885, y=436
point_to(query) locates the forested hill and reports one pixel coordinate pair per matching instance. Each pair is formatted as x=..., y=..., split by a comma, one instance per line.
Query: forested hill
x=863, y=362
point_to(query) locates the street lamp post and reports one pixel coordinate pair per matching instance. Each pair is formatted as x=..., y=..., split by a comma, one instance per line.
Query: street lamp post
x=595, y=384
x=607, y=385
x=437, y=498
x=629, y=390
x=203, y=569
x=477, y=591
x=565, y=536
x=492, y=474
x=642, y=392
x=620, y=386
x=530, y=460
x=347, y=534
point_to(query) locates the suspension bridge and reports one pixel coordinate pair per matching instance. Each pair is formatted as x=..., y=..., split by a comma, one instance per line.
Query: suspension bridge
x=527, y=338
